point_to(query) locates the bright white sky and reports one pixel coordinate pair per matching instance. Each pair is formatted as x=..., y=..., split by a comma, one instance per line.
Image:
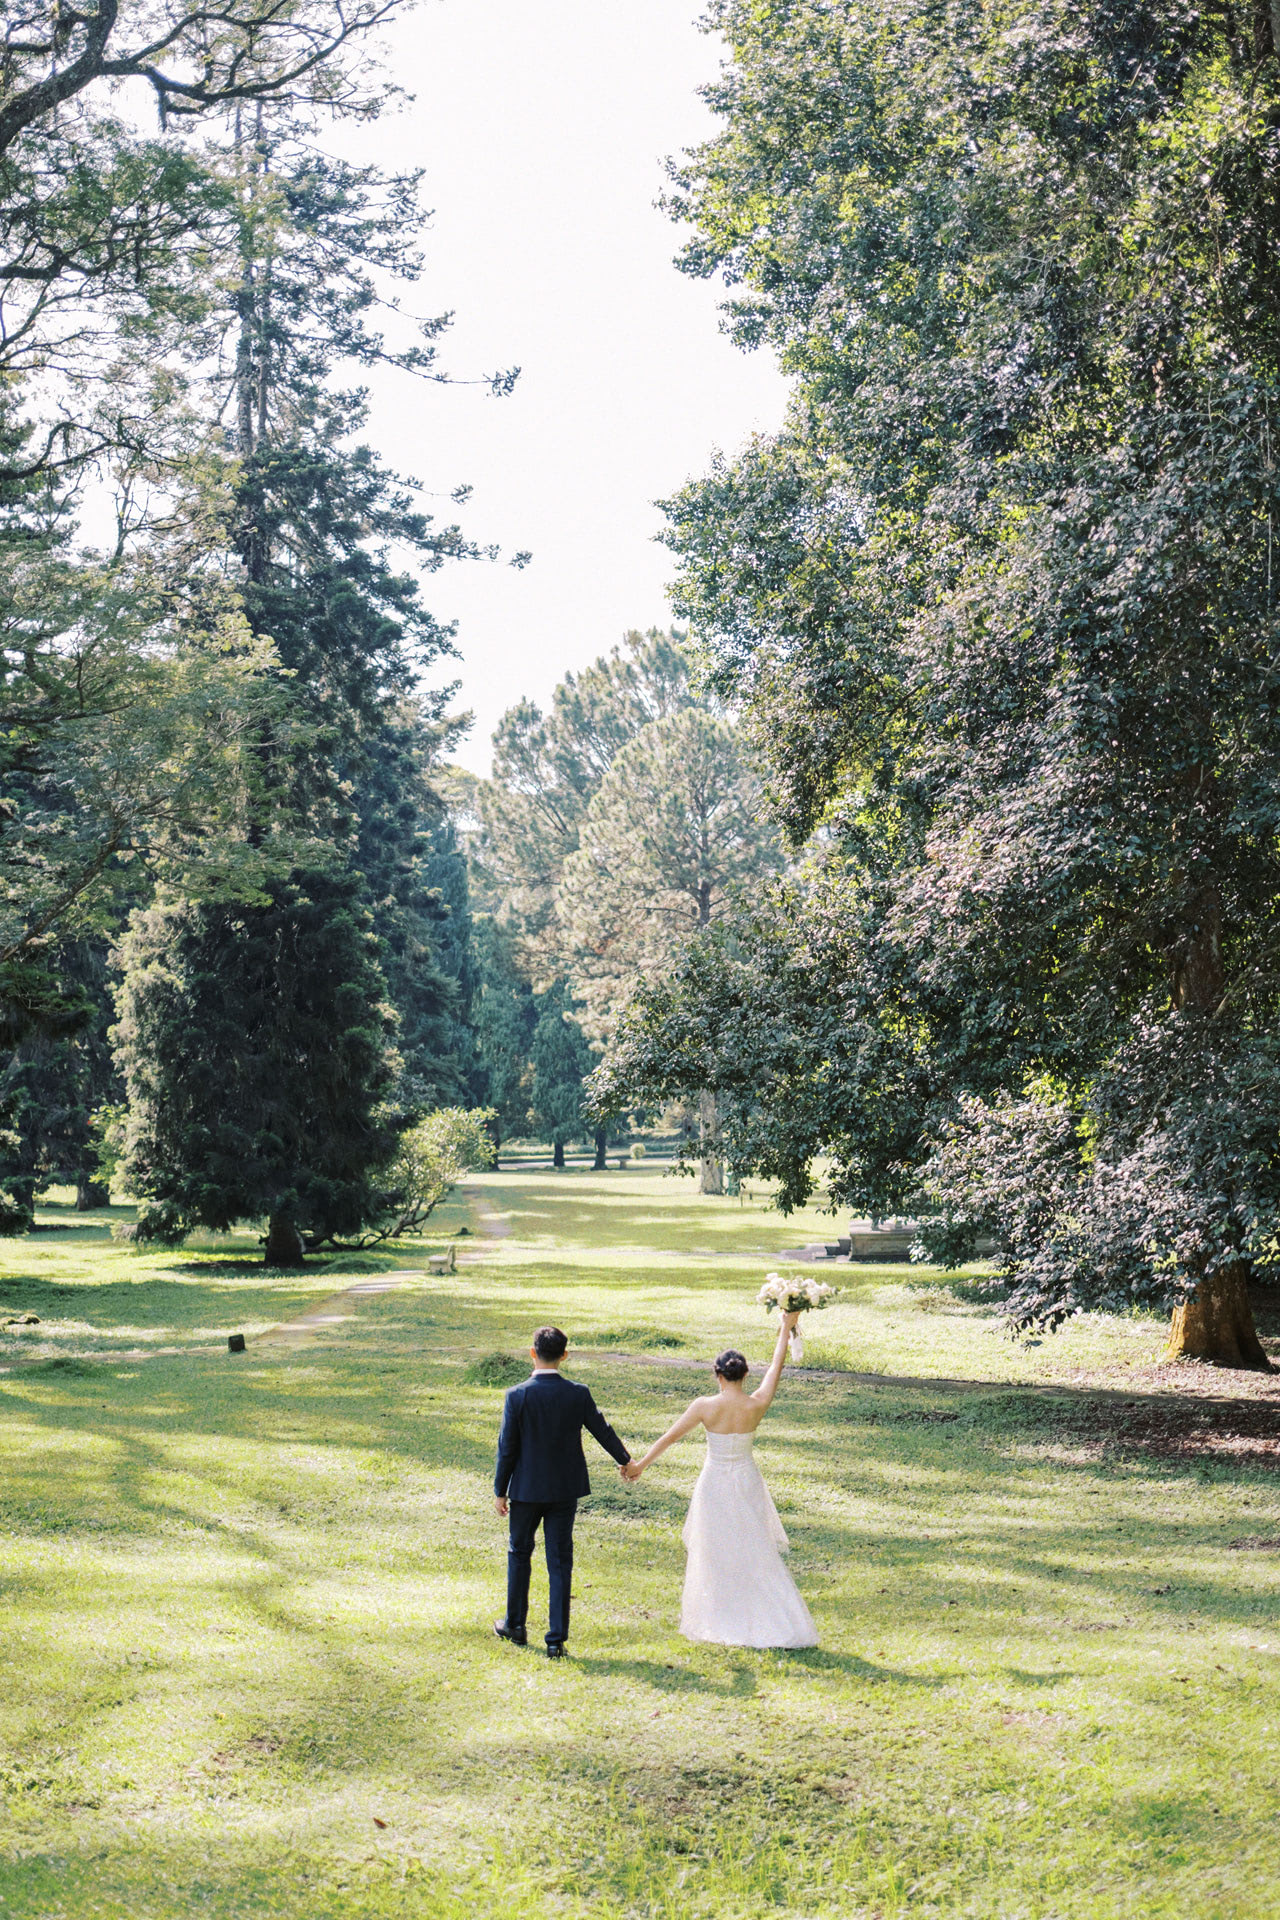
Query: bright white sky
x=543, y=126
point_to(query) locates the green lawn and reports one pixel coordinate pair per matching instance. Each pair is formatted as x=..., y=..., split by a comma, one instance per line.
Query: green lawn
x=247, y=1660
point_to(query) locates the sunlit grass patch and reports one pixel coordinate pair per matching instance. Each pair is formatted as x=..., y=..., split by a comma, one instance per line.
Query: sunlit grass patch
x=249, y=1670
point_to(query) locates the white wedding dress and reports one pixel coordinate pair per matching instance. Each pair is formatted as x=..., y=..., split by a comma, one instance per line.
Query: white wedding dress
x=736, y=1589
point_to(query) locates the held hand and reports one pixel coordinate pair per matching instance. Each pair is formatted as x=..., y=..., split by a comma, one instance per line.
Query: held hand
x=632, y=1470
x=500, y=1505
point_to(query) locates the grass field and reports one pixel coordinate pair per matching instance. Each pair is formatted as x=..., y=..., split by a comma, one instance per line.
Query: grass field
x=247, y=1664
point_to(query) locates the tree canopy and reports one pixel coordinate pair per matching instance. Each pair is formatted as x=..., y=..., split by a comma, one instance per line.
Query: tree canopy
x=1001, y=600
x=674, y=827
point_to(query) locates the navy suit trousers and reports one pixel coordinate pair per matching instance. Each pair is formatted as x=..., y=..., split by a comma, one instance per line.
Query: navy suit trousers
x=556, y=1518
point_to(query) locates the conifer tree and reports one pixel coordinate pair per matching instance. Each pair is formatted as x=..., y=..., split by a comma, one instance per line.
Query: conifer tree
x=316, y=520
x=505, y=1017
x=677, y=825
x=561, y=1060
x=254, y=1041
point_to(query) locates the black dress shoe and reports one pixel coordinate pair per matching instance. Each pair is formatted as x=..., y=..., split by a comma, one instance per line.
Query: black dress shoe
x=504, y=1632
x=556, y=1650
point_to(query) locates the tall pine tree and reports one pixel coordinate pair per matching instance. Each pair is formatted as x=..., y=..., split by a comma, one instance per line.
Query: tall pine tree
x=316, y=523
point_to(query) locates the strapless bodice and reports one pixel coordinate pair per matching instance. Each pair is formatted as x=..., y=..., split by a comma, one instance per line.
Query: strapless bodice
x=729, y=1446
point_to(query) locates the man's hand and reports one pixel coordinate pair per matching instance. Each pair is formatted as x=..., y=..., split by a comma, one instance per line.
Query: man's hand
x=500, y=1505
x=631, y=1470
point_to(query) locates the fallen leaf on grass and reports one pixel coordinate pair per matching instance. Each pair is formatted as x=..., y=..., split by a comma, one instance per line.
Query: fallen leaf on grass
x=377, y=1822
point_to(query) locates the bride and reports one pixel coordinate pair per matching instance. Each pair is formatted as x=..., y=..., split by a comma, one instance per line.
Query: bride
x=736, y=1589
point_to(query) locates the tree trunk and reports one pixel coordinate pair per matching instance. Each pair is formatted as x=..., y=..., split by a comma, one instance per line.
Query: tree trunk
x=602, y=1141
x=1216, y=1324
x=91, y=1194
x=1199, y=976
x=284, y=1246
x=557, y=1154
x=712, y=1180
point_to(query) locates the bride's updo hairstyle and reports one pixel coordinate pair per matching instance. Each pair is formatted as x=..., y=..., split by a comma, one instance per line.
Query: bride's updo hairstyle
x=731, y=1365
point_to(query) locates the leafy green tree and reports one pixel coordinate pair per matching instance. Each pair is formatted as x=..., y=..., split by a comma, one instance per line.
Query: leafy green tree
x=432, y=1157
x=255, y=1049
x=1000, y=597
x=195, y=58
x=57, y=1081
x=108, y=237
x=124, y=699
x=127, y=704
x=53, y=1082
x=546, y=768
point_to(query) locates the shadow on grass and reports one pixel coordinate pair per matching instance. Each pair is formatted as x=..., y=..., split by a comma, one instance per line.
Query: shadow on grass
x=996, y=1522
x=740, y=1683
x=118, y=1308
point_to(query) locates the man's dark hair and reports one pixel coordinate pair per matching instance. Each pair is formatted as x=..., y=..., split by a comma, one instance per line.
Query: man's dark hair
x=549, y=1343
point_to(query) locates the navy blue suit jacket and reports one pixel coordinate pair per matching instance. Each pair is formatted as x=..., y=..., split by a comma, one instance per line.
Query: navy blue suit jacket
x=540, y=1446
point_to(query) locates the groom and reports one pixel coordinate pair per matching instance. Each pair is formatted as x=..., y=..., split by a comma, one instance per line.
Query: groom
x=541, y=1475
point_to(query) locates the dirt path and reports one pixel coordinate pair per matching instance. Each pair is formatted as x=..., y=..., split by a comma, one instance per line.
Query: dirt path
x=333, y=1311
x=491, y=1225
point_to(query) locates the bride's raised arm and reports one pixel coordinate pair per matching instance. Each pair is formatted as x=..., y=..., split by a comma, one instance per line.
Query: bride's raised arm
x=693, y=1416
x=769, y=1385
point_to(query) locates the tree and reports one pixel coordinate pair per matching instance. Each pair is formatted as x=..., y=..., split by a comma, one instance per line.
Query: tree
x=547, y=767
x=432, y=1157
x=128, y=684
x=416, y=878
x=505, y=1018
x=106, y=236
x=561, y=1060
x=320, y=533
x=792, y=1008
x=255, y=1047
x=56, y=1082
x=127, y=701
x=676, y=824
x=999, y=598
x=195, y=58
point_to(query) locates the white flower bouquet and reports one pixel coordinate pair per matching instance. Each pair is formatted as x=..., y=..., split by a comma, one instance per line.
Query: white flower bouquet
x=794, y=1293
